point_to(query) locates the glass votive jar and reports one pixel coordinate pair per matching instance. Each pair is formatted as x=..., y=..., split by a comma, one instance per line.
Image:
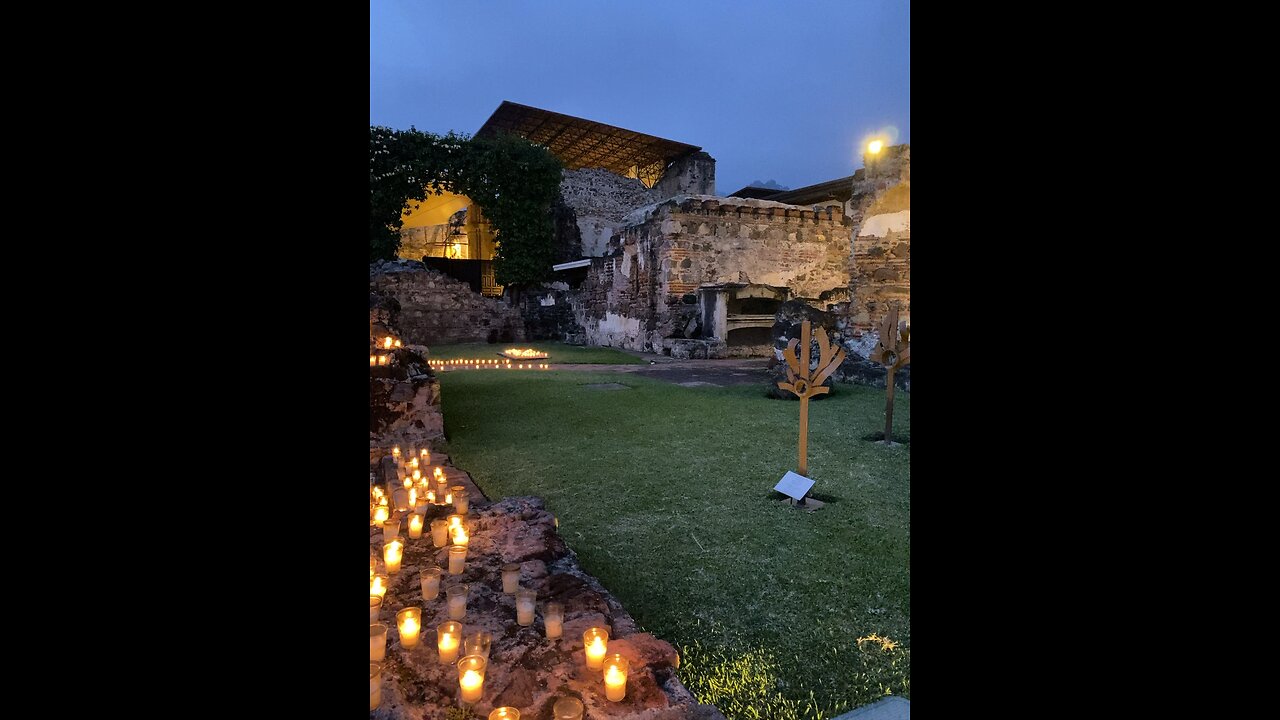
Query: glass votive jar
x=430, y=578
x=375, y=607
x=595, y=642
x=505, y=713
x=478, y=643
x=460, y=499
x=415, y=526
x=461, y=537
x=567, y=708
x=377, y=642
x=392, y=553
x=442, y=489
x=375, y=685
x=401, y=499
x=457, y=559
x=553, y=619
x=457, y=598
x=510, y=578
x=409, y=622
x=525, y=602
x=380, y=515
x=455, y=520
x=391, y=528
x=448, y=638
x=378, y=586
x=416, y=476
x=413, y=498
x=439, y=532
x=615, y=677
x=471, y=677
x=395, y=452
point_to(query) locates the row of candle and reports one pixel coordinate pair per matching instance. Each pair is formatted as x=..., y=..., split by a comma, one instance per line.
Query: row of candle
x=378, y=360
x=498, y=366
x=389, y=342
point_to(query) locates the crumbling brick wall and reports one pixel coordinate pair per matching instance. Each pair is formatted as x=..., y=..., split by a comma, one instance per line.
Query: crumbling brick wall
x=880, y=263
x=645, y=290
x=435, y=309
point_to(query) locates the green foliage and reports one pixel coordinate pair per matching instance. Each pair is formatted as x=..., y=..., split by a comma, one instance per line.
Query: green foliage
x=514, y=182
x=663, y=492
x=459, y=713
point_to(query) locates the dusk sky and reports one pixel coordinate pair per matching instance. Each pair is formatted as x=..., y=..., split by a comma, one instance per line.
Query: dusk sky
x=783, y=91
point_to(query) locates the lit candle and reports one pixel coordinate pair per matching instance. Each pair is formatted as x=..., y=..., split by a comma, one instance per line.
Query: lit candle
x=398, y=343
x=525, y=600
x=471, y=677
x=510, y=578
x=417, y=474
x=448, y=638
x=426, y=456
x=439, y=532
x=460, y=537
x=431, y=497
x=595, y=641
x=377, y=642
x=386, y=343
x=553, y=619
x=390, y=529
x=409, y=621
x=392, y=552
x=408, y=482
x=442, y=490
x=430, y=578
x=478, y=643
x=413, y=463
x=375, y=607
x=375, y=686
x=460, y=500
x=505, y=713
x=567, y=708
x=378, y=585
x=373, y=359
x=448, y=498
x=382, y=359
x=454, y=521
x=457, y=559
x=380, y=514
x=395, y=452
x=457, y=596
x=615, y=678
x=415, y=526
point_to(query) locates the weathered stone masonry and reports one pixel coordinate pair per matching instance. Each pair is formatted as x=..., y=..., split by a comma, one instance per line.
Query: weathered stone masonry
x=646, y=290
x=880, y=265
x=436, y=309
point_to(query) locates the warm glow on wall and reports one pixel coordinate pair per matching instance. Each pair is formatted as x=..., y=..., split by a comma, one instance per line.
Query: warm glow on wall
x=875, y=146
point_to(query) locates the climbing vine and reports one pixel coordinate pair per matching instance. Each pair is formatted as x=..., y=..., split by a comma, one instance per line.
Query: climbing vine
x=514, y=181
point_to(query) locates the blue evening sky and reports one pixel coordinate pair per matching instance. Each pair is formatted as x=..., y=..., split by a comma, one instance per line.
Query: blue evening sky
x=784, y=91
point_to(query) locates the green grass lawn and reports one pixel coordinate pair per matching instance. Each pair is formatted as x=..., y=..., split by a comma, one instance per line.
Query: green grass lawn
x=559, y=352
x=665, y=494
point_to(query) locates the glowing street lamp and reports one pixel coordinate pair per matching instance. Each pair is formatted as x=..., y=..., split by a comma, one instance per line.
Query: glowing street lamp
x=875, y=146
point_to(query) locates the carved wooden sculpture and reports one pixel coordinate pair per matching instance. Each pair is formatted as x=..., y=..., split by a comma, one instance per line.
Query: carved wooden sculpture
x=806, y=383
x=893, y=351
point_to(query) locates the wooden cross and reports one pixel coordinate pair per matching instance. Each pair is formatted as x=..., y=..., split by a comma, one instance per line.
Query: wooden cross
x=806, y=383
x=893, y=351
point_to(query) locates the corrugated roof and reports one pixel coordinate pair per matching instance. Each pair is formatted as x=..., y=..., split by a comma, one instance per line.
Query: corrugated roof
x=580, y=143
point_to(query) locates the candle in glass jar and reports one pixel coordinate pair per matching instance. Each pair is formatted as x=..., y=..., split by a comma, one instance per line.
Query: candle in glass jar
x=457, y=596
x=391, y=529
x=567, y=708
x=439, y=532
x=510, y=578
x=415, y=526
x=448, y=638
x=377, y=642
x=595, y=642
x=375, y=686
x=553, y=619
x=409, y=621
x=375, y=607
x=392, y=552
x=430, y=578
x=442, y=490
x=373, y=359
x=417, y=475
x=378, y=586
x=387, y=342
x=380, y=514
x=471, y=677
x=413, y=497
x=401, y=499
x=460, y=537
x=457, y=559
x=460, y=499
x=505, y=713
x=615, y=678
x=478, y=643
x=525, y=600
x=395, y=452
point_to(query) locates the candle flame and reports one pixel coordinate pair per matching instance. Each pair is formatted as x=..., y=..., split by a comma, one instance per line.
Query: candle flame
x=597, y=647
x=613, y=676
x=471, y=680
x=409, y=626
x=387, y=343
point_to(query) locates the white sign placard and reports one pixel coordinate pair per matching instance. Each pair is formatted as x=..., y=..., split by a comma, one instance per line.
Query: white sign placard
x=794, y=485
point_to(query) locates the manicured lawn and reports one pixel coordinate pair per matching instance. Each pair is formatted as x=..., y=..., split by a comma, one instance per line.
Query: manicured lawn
x=559, y=352
x=664, y=493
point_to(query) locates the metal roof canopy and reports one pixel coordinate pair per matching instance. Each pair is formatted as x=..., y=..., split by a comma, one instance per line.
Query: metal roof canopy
x=580, y=143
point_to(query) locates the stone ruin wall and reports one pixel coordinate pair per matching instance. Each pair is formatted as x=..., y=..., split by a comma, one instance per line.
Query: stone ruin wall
x=880, y=266
x=601, y=199
x=646, y=290
x=435, y=309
